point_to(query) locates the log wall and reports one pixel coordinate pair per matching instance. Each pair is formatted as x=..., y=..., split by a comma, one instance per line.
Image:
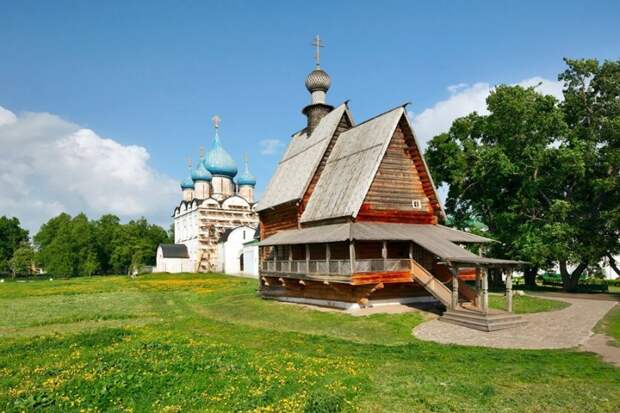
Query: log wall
x=339, y=292
x=400, y=179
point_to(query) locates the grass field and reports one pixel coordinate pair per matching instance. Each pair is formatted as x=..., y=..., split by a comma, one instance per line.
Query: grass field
x=526, y=304
x=207, y=343
x=610, y=325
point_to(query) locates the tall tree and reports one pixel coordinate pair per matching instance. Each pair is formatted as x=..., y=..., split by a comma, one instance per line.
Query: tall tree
x=107, y=230
x=12, y=235
x=22, y=260
x=591, y=198
x=542, y=176
x=494, y=167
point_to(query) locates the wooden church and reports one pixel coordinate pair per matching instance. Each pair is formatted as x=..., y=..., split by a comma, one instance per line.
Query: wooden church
x=351, y=218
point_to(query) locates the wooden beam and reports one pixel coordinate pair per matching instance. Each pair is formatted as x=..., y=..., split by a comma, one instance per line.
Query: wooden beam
x=384, y=252
x=352, y=256
x=478, y=287
x=485, y=291
x=509, y=290
x=376, y=287
x=307, y=259
x=455, y=287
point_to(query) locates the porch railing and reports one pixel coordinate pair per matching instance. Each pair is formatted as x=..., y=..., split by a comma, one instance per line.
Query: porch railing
x=342, y=267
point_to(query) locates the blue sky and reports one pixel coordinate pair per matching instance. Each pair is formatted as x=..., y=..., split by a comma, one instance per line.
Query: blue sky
x=152, y=74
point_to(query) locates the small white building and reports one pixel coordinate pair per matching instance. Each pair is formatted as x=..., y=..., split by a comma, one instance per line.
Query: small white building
x=231, y=251
x=250, y=258
x=174, y=258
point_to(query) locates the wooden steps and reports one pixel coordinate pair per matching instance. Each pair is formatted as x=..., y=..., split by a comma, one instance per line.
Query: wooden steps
x=465, y=315
x=492, y=321
x=431, y=284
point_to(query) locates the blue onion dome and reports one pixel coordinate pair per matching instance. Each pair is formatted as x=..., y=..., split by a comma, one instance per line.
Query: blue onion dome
x=218, y=161
x=246, y=177
x=201, y=173
x=187, y=183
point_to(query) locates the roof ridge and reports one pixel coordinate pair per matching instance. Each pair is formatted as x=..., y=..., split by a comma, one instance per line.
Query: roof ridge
x=381, y=114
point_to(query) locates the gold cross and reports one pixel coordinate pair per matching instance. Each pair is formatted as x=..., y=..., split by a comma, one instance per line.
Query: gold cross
x=202, y=152
x=317, y=43
x=189, y=163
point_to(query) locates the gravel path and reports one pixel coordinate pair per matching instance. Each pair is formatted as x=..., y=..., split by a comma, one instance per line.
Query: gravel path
x=570, y=327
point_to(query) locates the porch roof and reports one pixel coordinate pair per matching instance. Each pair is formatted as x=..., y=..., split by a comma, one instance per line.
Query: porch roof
x=437, y=239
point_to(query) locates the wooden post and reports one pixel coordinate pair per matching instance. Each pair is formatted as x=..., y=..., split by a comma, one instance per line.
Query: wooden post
x=384, y=254
x=275, y=258
x=307, y=259
x=290, y=258
x=485, y=291
x=509, y=290
x=410, y=256
x=455, y=287
x=352, y=256
x=327, y=256
x=478, y=287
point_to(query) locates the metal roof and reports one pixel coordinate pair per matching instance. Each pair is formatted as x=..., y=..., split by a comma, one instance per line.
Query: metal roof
x=437, y=239
x=351, y=168
x=300, y=161
x=174, y=250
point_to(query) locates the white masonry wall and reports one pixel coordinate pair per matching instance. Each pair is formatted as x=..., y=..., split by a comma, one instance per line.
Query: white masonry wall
x=230, y=252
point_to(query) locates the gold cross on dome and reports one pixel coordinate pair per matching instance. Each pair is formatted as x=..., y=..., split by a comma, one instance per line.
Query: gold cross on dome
x=216, y=121
x=317, y=44
x=189, y=163
x=202, y=152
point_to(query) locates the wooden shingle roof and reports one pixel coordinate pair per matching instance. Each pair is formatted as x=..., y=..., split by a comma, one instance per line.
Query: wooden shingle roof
x=300, y=161
x=351, y=168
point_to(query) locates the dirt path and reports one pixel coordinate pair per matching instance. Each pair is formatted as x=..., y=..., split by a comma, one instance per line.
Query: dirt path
x=567, y=328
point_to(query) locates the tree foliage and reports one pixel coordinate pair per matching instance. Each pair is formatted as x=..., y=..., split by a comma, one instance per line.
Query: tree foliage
x=543, y=175
x=12, y=235
x=78, y=246
x=22, y=261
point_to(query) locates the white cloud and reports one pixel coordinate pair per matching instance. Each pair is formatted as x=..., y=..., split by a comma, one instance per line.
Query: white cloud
x=465, y=99
x=6, y=116
x=49, y=165
x=270, y=146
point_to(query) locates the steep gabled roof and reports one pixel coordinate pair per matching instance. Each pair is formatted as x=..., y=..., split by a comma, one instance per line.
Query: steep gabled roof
x=352, y=166
x=303, y=155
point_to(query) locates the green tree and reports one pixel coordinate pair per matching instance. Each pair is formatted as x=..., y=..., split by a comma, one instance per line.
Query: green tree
x=542, y=175
x=107, y=230
x=77, y=246
x=12, y=235
x=22, y=260
x=590, y=196
x=91, y=264
x=66, y=246
x=493, y=165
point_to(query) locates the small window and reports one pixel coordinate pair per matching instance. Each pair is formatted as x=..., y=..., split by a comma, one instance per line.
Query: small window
x=416, y=204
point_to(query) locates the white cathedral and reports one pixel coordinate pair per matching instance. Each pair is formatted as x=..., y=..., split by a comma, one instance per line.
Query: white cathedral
x=215, y=222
